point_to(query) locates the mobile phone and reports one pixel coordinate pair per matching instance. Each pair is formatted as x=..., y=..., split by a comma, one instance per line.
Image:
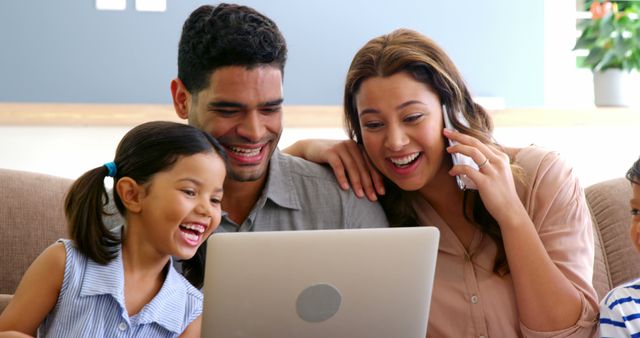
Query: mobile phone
x=463, y=181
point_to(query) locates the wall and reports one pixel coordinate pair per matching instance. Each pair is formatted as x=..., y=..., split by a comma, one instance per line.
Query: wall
x=67, y=51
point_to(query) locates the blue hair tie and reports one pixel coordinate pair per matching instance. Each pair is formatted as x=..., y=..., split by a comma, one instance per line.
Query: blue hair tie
x=112, y=169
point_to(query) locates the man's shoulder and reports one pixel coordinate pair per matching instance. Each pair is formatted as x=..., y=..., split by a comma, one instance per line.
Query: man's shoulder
x=299, y=167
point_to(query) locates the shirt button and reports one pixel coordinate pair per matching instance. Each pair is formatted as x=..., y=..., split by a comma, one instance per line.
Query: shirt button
x=480, y=336
x=474, y=299
x=122, y=326
x=467, y=258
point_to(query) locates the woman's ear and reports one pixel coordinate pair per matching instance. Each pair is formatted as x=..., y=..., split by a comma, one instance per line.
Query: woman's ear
x=131, y=194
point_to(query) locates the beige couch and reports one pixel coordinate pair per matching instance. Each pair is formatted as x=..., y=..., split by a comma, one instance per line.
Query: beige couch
x=31, y=218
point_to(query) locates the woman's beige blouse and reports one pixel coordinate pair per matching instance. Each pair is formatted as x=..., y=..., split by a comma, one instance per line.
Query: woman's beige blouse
x=469, y=300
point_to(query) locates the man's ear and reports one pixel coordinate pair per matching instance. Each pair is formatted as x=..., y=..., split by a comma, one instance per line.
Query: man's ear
x=131, y=194
x=181, y=98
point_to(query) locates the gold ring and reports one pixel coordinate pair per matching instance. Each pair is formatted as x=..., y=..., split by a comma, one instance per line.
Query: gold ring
x=486, y=160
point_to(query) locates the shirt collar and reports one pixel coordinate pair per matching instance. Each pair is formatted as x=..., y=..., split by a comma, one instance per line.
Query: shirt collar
x=166, y=308
x=280, y=187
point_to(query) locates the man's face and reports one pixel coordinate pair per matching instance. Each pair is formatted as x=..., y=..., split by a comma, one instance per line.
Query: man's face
x=242, y=108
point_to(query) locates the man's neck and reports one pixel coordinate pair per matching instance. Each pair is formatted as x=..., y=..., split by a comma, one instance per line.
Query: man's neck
x=240, y=198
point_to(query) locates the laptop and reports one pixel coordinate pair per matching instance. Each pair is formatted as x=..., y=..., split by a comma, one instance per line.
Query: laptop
x=320, y=283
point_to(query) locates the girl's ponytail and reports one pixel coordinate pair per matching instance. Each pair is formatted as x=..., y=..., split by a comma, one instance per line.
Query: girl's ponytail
x=84, y=209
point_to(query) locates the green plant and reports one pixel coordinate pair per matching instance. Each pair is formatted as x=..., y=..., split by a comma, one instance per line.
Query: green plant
x=611, y=36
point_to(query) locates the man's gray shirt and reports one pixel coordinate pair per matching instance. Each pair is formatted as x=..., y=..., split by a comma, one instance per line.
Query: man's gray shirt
x=302, y=195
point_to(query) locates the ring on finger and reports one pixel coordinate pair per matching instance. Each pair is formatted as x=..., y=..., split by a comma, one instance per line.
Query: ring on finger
x=486, y=161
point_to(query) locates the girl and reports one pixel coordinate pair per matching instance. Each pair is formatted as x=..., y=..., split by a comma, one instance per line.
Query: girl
x=619, y=310
x=516, y=255
x=167, y=183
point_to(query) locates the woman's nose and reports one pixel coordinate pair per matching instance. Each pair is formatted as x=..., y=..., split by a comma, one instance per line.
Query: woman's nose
x=396, y=138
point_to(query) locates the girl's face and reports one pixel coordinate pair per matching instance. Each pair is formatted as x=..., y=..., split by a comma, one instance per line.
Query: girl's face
x=634, y=204
x=401, y=122
x=181, y=206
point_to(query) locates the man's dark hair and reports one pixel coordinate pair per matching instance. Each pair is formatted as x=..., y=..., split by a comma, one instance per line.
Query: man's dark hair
x=227, y=35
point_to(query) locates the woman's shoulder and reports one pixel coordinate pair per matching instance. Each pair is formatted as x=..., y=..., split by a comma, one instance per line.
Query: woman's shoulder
x=533, y=156
x=538, y=162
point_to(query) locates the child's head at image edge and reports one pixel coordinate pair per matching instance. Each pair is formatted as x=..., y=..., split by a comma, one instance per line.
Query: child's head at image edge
x=633, y=175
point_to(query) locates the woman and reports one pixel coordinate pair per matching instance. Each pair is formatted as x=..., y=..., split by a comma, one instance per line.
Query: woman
x=516, y=255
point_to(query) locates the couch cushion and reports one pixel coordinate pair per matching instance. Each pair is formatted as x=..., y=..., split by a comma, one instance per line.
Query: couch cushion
x=4, y=301
x=619, y=261
x=31, y=219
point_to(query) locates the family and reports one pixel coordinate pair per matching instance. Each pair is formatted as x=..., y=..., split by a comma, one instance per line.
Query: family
x=516, y=252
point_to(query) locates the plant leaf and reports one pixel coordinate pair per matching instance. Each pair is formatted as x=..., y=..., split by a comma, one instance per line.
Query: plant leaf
x=594, y=57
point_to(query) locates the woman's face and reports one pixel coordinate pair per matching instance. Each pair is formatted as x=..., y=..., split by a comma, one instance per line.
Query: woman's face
x=401, y=123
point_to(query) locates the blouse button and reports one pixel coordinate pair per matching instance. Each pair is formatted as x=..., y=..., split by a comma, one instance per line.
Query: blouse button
x=122, y=326
x=474, y=299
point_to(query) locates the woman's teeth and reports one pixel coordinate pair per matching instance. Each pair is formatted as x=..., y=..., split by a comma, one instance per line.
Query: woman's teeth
x=403, y=161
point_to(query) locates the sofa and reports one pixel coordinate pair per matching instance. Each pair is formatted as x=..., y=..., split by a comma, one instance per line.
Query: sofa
x=31, y=218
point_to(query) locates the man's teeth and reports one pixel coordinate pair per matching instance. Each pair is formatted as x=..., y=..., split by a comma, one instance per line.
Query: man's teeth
x=195, y=227
x=404, y=160
x=248, y=152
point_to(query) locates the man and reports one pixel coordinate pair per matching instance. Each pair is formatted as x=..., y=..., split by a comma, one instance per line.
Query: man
x=231, y=62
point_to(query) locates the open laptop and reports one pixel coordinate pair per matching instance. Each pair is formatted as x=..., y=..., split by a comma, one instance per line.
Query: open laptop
x=320, y=283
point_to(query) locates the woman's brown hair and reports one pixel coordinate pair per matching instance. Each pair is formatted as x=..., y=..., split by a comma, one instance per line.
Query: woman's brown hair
x=408, y=51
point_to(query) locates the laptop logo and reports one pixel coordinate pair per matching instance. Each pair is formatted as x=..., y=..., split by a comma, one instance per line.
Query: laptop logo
x=318, y=303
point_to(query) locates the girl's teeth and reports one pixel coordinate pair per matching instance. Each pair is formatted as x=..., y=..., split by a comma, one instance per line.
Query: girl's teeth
x=195, y=227
x=191, y=236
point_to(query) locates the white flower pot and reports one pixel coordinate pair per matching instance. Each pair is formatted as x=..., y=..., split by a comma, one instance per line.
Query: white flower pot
x=616, y=88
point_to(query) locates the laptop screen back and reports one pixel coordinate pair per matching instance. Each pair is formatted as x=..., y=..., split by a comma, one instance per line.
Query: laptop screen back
x=320, y=283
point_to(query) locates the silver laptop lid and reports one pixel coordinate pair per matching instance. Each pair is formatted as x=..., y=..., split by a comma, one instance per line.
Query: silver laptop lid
x=320, y=283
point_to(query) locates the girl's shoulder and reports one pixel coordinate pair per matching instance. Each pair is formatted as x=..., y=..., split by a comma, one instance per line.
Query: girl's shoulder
x=55, y=255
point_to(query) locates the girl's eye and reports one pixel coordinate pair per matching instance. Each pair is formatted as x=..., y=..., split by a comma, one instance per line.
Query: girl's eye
x=215, y=201
x=189, y=192
x=635, y=212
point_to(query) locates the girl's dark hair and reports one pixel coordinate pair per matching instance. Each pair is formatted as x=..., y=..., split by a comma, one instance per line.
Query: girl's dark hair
x=633, y=175
x=145, y=150
x=408, y=51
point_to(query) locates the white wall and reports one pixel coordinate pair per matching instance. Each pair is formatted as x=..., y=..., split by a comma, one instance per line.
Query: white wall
x=596, y=152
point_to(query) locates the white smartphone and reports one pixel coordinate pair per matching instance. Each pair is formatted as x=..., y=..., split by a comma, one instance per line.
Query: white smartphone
x=463, y=181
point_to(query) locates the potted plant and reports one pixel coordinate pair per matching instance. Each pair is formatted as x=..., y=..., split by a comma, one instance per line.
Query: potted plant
x=612, y=39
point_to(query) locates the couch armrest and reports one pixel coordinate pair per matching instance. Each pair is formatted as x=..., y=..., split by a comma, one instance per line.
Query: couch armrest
x=4, y=301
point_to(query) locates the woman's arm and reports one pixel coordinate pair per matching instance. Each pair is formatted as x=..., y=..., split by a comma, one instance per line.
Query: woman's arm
x=348, y=162
x=37, y=292
x=550, y=257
